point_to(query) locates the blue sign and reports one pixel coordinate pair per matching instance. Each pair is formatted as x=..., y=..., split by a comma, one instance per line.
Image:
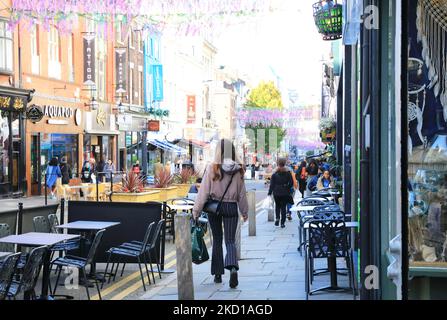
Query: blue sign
x=157, y=78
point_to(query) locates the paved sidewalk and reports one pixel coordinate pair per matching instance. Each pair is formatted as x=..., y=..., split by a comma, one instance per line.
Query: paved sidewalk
x=271, y=268
x=11, y=204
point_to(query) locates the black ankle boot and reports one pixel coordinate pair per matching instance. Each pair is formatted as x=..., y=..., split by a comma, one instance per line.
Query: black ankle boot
x=218, y=278
x=233, y=278
x=277, y=223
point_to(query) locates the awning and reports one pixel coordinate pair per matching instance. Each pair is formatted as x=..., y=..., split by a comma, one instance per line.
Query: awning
x=164, y=145
x=197, y=143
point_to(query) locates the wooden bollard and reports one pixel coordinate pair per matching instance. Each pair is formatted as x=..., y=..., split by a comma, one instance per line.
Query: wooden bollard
x=185, y=283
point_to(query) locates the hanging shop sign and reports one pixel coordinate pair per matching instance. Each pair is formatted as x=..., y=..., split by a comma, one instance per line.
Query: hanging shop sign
x=157, y=77
x=120, y=63
x=153, y=125
x=191, y=109
x=11, y=103
x=34, y=113
x=89, y=59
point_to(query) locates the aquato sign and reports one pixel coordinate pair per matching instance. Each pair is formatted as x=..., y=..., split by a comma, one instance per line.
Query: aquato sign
x=58, y=112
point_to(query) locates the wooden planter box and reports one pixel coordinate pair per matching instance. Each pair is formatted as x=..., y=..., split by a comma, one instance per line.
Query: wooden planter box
x=136, y=197
x=182, y=189
x=164, y=194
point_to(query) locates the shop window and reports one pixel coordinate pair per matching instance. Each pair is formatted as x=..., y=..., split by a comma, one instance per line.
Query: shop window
x=59, y=145
x=4, y=148
x=35, y=50
x=6, y=52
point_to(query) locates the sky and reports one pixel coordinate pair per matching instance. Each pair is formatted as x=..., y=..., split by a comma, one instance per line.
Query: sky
x=283, y=46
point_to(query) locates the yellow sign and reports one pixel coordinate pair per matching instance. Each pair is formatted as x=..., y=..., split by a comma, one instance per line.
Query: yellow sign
x=18, y=104
x=5, y=102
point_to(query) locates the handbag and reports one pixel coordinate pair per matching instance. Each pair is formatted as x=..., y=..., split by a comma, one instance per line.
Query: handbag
x=198, y=245
x=213, y=206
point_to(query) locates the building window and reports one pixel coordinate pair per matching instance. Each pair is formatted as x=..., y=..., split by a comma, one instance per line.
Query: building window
x=5, y=47
x=141, y=92
x=119, y=33
x=54, y=62
x=131, y=86
x=70, y=59
x=35, y=50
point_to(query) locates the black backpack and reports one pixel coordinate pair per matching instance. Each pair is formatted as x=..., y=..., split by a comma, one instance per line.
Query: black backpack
x=283, y=183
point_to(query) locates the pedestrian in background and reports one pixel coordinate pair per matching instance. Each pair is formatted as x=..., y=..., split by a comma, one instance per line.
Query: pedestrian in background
x=109, y=169
x=280, y=186
x=65, y=170
x=301, y=175
x=325, y=181
x=53, y=172
x=226, y=171
x=312, y=172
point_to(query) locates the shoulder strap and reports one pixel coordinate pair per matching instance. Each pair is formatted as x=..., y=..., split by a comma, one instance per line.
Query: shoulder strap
x=228, y=186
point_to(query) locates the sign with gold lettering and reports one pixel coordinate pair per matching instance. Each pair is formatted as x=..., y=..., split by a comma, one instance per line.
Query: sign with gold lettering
x=12, y=103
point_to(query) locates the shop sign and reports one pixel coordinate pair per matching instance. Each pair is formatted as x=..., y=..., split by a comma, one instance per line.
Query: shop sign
x=120, y=63
x=153, y=125
x=53, y=112
x=191, y=109
x=89, y=59
x=157, y=82
x=12, y=103
x=34, y=113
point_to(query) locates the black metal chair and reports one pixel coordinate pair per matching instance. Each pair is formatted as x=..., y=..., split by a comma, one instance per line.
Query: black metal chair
x=4, y=232
x=328, y=239
x=9, y=247
x=304, y=216
x=29, y=276
x=7, y=270
x=151, y=246
x=66, y=245
x=127, y=250
x=80, y=263
x=328, y=207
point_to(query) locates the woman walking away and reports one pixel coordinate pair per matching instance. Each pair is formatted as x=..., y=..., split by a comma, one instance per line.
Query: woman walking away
x=226, y=173
x=53, y=173
x=280, y=187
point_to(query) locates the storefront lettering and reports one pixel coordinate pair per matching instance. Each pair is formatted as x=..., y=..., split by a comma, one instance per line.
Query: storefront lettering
x=58, y=112
x=5, y=102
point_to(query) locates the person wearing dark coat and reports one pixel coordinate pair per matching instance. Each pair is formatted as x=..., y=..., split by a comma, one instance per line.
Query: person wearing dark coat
x=281, y=185
x=65, y=170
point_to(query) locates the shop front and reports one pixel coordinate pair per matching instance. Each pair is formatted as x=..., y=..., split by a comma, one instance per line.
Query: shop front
x=101, y=135
x=60, y=134
x=13, y=105
x=130, y=139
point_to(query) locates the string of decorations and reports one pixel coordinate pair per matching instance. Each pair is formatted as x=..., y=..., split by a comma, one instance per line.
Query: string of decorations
x=186, y=17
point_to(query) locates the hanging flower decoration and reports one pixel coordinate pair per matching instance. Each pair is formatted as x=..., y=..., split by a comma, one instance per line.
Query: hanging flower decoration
x=65, y=13
x=186, y=17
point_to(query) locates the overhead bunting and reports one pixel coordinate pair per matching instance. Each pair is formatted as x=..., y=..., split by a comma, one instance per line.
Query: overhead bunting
x=187, y=17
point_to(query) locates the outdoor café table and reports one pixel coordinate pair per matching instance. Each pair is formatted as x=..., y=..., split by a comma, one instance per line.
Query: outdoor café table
x=332, y=261
x=91, y=227
x=37, y=239
x=302, y=208
x=181, y=207
x=5, y=254
x=80, y=187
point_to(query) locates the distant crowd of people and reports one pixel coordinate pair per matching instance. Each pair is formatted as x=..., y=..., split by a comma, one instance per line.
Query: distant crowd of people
x=306, y=177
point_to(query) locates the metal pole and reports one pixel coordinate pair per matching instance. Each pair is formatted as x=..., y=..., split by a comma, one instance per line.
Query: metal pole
x=185, y=283
x=19, y=223
x=46, y=191
x=163, y=240
x=62, y=211
x=251, y=195
x=97, y=189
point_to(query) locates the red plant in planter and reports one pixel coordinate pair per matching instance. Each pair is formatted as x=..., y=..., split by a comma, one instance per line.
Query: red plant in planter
x=163, y=178
x=132, y=183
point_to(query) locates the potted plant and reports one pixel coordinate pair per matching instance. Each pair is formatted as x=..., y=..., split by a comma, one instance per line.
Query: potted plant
x=132, y=190
x=328, y=128
x=184, y=180
x=163, y=184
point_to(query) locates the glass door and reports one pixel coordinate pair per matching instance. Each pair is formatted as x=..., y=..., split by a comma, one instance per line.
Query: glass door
x=36, y=180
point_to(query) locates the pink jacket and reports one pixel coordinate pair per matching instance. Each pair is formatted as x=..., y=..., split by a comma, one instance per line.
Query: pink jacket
x=236, y=192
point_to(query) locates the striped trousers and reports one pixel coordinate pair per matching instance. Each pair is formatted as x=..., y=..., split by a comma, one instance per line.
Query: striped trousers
x=229, y=216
